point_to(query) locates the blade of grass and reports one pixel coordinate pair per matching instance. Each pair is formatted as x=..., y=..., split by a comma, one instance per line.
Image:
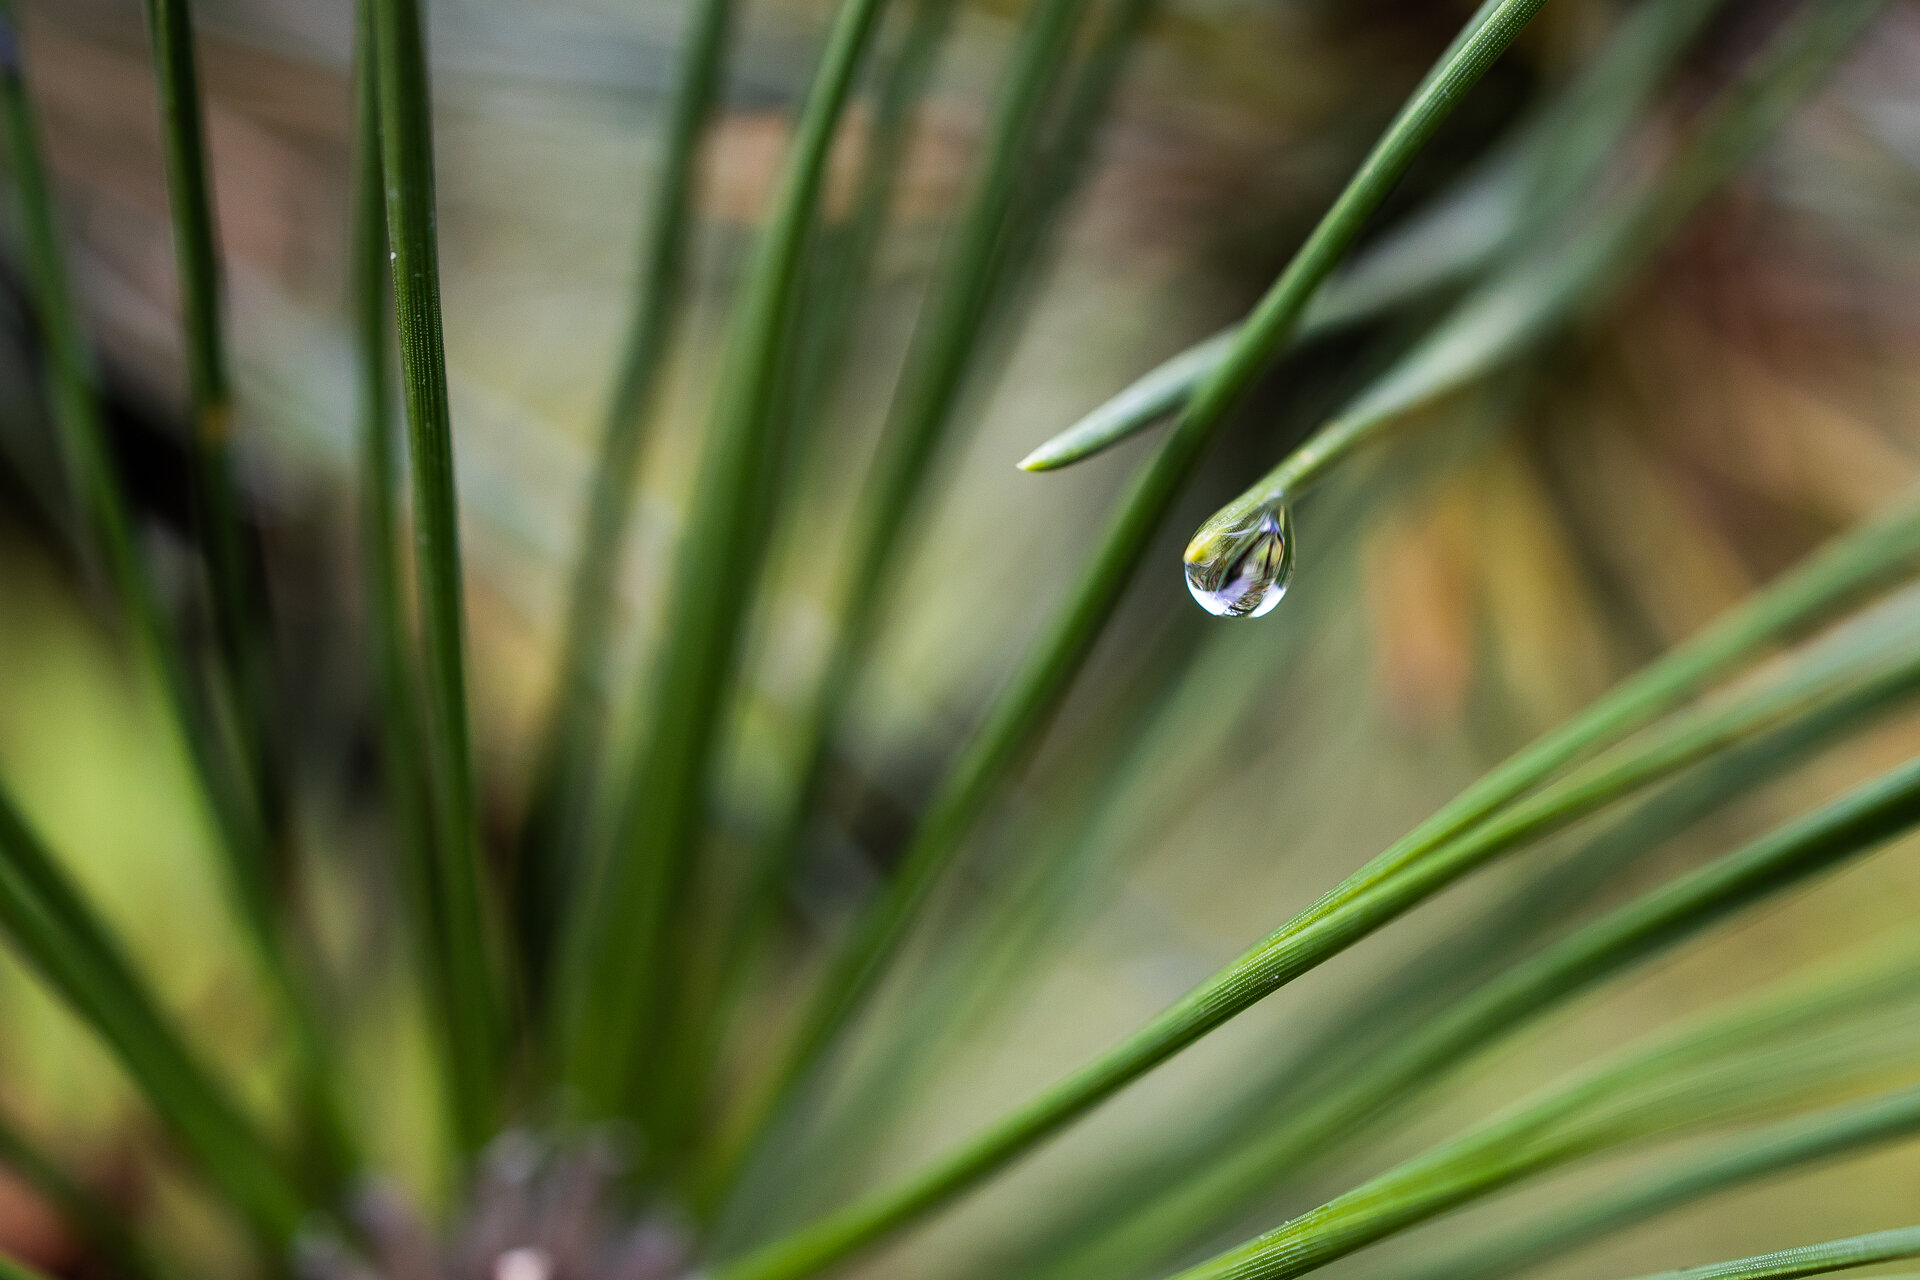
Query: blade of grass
x=614, y=978
x=1792, y=1144
x=1363, y=903
x=475, y=1013
x=1809, y=1259
x=105, y=513
x=1026, y=705
x=54, y=930
x=237, y=611
x=564, y=775
x=1569, y=274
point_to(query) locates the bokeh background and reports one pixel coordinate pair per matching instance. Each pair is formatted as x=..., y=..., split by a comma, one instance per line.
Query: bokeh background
x=1505, y=557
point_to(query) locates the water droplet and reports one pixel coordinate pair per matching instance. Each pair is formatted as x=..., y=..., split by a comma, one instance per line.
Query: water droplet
x=1238, y=565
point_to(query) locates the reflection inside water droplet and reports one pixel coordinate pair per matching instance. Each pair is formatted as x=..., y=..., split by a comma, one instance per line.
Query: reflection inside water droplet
x=1240, y=567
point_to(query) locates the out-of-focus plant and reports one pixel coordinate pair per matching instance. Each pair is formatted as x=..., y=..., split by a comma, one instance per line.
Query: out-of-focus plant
x=622, y=1093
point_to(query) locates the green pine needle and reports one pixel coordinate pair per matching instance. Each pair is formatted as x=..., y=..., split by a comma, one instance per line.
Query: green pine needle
x=475, y=1009
x=55, y=931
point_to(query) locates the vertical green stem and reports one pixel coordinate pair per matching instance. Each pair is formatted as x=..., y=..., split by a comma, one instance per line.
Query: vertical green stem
x=945, y=345
x=845, y=266
x=236, y=608
x=475, y=1011
x=389, y=640
x=55, y=930
x=1026, y=705
x=618, y=974
x=564, y=775
x=235, y=818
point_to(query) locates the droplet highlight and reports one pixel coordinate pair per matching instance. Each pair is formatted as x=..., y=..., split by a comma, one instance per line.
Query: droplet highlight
x=1238, y=566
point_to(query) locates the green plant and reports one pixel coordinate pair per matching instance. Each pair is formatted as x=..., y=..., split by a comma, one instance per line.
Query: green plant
x=594, y=979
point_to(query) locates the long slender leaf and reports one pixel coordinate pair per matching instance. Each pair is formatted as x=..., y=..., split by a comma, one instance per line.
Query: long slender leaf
x=1568, y=273
x=1114, y=1223
x=1792, y=1144
x=237, y=611
x=616, y=975
x=945, y=345
x=1527, y=187
x=564, y=774
x=474, y=1011
x=1408, y=873
x=109, y=522
x=1652, y=1100
x=1394, y=1073
x=1026, y=705
x=842, y=270
x=1809, y=1259
x=396, y=682
x=54, y=930
x=1704, y=1072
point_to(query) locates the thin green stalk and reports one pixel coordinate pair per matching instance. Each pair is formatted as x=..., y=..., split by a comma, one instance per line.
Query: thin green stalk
x=838, y=286
x=616, y=976
x=1529, y=185
x=1309, y=940
x=396, y=683
x=1651, y=1100
x=65, y=359
x=1353, y=1073
x=944, y=349
x=96, y=1222
x=848, y=253
x=564, y=775
x=1880, y=551
x=1809, y=1259
x=475, y=1012
x=1844, y=1130
x=58, y=934
x=76, y=416
x=1026, y=705
x=241, y=838
x=1060, y=163
x=1146, y=400
x=237, y=612
x=1569, y=273
x=1747, y=1058
x=977, y=975
x=1303, y=1129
